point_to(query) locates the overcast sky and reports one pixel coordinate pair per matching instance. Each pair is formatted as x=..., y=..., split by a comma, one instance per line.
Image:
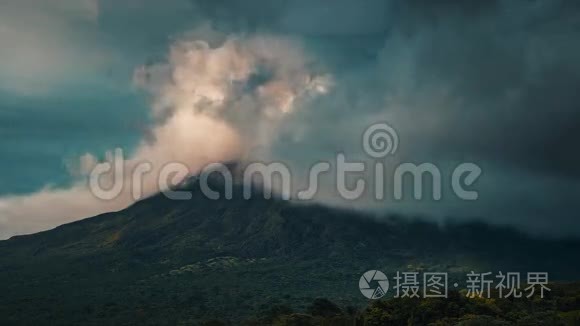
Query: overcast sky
x=490, y=82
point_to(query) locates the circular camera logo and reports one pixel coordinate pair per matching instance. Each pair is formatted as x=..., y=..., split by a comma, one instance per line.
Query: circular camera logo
x=374, y=278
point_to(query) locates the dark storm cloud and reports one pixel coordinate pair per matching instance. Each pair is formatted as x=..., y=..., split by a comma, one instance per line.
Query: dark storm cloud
x=494, y=82
x=514, y=68
x=307, y=18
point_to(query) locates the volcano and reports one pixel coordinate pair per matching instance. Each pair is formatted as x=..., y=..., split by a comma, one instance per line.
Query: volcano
x=166, y=261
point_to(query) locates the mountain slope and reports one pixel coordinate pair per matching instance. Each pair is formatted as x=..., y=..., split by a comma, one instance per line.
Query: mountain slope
x=180, y=261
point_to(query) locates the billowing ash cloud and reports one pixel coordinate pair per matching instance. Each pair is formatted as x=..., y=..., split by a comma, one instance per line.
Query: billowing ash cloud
x=490, y=82
x=210, y=109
